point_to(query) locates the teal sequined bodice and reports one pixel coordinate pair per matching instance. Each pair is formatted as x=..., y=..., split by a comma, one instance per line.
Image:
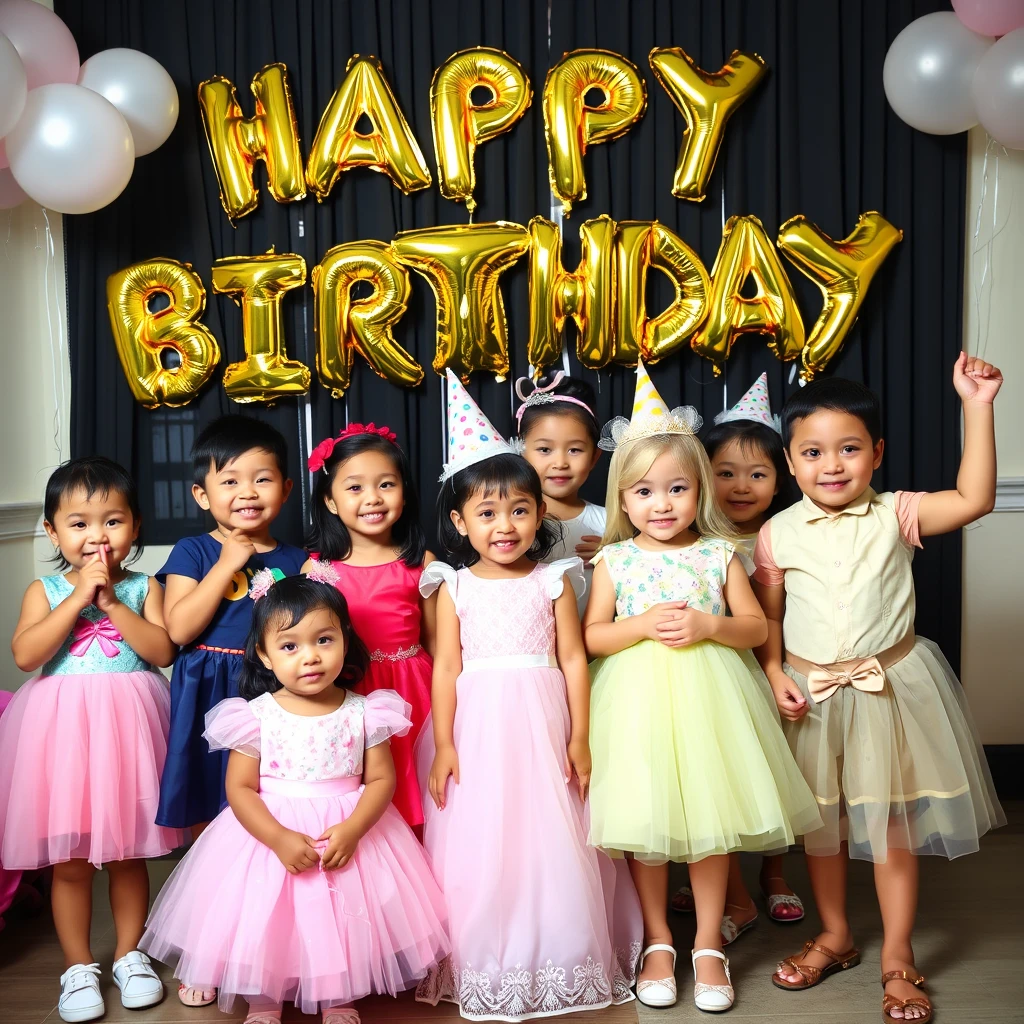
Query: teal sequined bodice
x=95, y=644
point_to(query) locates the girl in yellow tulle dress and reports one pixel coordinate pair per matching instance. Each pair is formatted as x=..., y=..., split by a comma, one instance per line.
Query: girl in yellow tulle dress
x=690, y=762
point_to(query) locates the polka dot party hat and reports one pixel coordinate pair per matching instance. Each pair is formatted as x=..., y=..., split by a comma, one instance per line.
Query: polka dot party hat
x=754, y=405
x=471, y=437
x=650, y=416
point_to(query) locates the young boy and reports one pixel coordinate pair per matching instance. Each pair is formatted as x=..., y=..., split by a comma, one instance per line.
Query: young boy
x=874, y=715
x=241, y=479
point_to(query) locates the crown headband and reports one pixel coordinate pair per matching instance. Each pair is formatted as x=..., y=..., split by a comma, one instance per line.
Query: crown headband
x=323, y=451
x=684, y=419
x=544, y=396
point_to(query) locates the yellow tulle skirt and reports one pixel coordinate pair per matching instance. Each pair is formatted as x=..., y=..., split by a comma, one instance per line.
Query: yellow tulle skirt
x=689, y=758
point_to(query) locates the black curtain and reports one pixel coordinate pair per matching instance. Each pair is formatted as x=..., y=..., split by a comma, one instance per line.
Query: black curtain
x=816, y=138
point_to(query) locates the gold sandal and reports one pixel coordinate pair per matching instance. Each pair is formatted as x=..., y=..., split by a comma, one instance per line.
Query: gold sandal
x=890, y=1003
x=810, y=975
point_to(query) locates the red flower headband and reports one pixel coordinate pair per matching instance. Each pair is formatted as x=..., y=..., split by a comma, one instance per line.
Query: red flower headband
x=323, y=451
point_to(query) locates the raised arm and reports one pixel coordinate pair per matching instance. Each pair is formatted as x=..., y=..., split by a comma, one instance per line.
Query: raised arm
x=572, y=660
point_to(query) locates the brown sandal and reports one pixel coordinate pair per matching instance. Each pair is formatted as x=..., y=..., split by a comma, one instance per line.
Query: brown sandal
x=811, y=976
x=890, y=1003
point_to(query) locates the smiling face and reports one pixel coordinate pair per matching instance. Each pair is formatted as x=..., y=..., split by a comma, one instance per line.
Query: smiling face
x=832, y=457
x=561, y=450
x=663, y=503
x=246, y=493
x=84, y=523
x=367, y=494
x=745, y=483
x=307, y=657
x=501, y=530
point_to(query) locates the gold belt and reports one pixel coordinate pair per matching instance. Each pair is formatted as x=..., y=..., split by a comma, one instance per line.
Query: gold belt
x=866, y=674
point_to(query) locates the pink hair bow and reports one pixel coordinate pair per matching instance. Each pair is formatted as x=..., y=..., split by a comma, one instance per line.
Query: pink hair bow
x=104, y=632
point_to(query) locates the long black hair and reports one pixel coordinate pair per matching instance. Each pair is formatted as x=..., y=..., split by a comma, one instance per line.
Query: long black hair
x=753, y=437
x=501, y=474
x=328, y=535
x=287, y=602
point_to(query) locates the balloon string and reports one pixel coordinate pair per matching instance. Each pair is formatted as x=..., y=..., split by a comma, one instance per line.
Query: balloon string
x=56, y=354
x=988, y=268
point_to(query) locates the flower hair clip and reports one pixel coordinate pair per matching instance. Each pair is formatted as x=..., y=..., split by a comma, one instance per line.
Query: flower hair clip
x=261, y=584
x=323, y=572
x=323, y=451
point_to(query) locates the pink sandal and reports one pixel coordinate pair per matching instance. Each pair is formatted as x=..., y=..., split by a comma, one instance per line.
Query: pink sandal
x=783, y=908
x=198, y=996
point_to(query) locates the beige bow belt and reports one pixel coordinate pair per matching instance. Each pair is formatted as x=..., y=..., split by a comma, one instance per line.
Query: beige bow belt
x=866, y=674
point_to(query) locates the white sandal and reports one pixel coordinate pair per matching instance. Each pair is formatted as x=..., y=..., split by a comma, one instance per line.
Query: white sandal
x=712, y=998
x=661, y=992
x=80, y=997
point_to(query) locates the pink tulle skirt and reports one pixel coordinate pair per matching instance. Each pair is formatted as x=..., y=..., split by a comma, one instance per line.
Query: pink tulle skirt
x=231, y=917
x=80, y=763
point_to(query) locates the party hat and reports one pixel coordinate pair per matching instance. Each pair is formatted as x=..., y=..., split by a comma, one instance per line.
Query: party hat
x=754, y=406
x=650, y=416
x=471, y=436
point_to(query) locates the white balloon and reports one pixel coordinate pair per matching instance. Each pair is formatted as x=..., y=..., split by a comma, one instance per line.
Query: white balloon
x=13, y=87
x=998, y=90
x=71, y=150
x=928, y=71
x=141, y=90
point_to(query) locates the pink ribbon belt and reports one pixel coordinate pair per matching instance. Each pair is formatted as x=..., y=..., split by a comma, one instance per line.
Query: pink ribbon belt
x=104, y=632
x=867, y=674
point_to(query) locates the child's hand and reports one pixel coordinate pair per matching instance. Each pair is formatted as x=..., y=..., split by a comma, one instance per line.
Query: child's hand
x=684, y=627
x=236, y=549
x=975, y=380
x=295, y=851
x=446, y=762
x=653, y=617
x=106, y=599
x=587, y=547
x=92, y=578
x=342, y=841
x=578, y=763
x=792, y=703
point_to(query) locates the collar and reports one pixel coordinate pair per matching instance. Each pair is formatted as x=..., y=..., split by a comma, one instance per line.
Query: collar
x=859, y=507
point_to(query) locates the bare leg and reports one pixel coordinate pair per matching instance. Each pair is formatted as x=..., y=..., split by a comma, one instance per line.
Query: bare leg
x=709, y=878
x=651, y=883
x=738, y=903
x=774, y=884
x=198, y=829
x=896, y=885
x=71, y=897
x=129, y=902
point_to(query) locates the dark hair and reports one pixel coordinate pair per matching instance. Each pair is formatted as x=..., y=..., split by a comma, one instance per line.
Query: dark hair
x=328, y=535
x=839, y=395
x=506, y=474
x=92, y=474
x=291, y=600
x=756, y=437
x=571, y=387
x=228, y=437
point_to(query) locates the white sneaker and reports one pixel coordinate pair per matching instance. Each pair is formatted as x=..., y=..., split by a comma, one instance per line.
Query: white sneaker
x=137, y=981
x=712, y=998
x=80, y=997
x=661, y=992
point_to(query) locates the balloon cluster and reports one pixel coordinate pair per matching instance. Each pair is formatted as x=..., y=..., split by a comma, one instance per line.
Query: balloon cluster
x=945, y=72
x=70, y=132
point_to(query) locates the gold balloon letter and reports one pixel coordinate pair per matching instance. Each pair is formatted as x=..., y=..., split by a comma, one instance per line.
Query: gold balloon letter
x=141, y=336
x=707, y=101
x=345, y=325
x=463, y=264
x=746, y=249
x=843, y=271
x=571, y=125
x=391, y=148
x=258, y=284
x=236, y=143
x=588, y=295
x=460, y=125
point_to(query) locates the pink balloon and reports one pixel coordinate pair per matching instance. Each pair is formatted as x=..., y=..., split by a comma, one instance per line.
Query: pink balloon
x=11, y=193
x=990, y=17
x=45, y=44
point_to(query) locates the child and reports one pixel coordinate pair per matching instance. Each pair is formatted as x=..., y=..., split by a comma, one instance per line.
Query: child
x=309, y=887
x=558, y=435
x=875, y=716
x=85, y=741
x=366, y=523
x=690, y=763
x=541, y=924
x=749, y=466
x=241, y=479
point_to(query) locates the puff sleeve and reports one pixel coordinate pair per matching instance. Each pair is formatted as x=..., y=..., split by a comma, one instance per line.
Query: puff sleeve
x=434, y=575
x=555, y=574
x=385, y=715
x=231, y=725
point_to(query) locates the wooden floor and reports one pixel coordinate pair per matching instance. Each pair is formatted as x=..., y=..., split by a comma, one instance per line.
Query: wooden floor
x=970, y=945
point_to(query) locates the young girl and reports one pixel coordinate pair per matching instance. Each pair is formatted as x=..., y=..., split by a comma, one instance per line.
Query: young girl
x=366, y=524
x=558, y=434
x=541, y=924
x=309, y=887
x=751, y=483
x=690, y=763
x=84, y=742
x=875, y=715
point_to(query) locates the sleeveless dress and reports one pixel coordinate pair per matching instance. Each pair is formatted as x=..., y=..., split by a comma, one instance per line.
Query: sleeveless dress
x=232, y=917
x=205, y=673
x=689, y=758
x=83, y=745
x=384, y=605
x=541, y=924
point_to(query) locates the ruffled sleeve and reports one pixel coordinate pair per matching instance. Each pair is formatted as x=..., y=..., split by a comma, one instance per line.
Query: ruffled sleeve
x=434, y=575
x=231, y=725
x=384, y=716
x=556, y=572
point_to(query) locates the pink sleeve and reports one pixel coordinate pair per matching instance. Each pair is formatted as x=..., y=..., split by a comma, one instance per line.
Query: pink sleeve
x=766, y=572
x=907, y=506
x=384, y=716
x=231, y=725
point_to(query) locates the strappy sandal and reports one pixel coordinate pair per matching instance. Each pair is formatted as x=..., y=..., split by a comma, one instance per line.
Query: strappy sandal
x=890, y=1003
x=810, y=975
x=731, y=931
x=783, y=908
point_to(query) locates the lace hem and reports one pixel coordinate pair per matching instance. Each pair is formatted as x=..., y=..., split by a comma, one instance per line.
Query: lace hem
x=523, y=994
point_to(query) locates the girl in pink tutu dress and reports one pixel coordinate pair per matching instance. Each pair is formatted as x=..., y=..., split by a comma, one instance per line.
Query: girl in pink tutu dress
x=541, y=924
x=366, y=523
x=83, y=744
x=308, y=887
